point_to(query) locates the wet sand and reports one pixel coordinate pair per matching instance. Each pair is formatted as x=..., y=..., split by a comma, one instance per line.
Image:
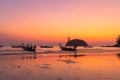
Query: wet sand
x=61, y=66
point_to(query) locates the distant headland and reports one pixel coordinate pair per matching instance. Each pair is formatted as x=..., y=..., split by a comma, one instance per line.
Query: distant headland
x=117, y=43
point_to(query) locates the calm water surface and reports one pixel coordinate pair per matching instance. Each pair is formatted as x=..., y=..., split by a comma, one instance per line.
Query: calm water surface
x=53, y=64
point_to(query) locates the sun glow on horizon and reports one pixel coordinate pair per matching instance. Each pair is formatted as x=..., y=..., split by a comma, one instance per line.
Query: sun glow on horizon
x=93, y=21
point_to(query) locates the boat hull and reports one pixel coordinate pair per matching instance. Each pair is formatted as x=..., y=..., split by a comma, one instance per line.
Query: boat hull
x=67, y=49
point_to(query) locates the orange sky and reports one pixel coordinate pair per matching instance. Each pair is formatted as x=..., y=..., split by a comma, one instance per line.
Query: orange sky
x=96, y=21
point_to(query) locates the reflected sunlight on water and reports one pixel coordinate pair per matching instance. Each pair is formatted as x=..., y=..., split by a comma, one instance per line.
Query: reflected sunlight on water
x=86, y=64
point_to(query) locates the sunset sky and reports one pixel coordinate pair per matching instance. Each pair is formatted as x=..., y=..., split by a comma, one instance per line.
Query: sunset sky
x=95, y=21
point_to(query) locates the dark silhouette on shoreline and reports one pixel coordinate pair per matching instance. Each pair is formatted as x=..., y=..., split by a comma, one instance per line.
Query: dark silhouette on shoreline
x=117, y=42
x=76, y=42
x=67, y=49
x=29, y=47
x=71, y=45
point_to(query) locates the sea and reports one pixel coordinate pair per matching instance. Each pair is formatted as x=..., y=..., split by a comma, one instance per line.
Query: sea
x=97, y=63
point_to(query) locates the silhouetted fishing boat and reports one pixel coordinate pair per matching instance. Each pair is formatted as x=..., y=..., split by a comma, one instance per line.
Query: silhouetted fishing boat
x=71, y=45
x=29, y=47
x=46, y=46
x=67, y=49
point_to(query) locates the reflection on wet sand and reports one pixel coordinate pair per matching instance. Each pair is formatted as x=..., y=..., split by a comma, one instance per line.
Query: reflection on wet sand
x=67, y=57
x=69, y=61
x=28, y=56
x=118, y=55
x=45, y=66
x=60, y=66
x=73, y=54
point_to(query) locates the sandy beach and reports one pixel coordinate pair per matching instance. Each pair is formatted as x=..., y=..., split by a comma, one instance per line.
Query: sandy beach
x=53, y=64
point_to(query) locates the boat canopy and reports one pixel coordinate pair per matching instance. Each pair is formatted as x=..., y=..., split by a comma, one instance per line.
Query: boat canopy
x=76, y=42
